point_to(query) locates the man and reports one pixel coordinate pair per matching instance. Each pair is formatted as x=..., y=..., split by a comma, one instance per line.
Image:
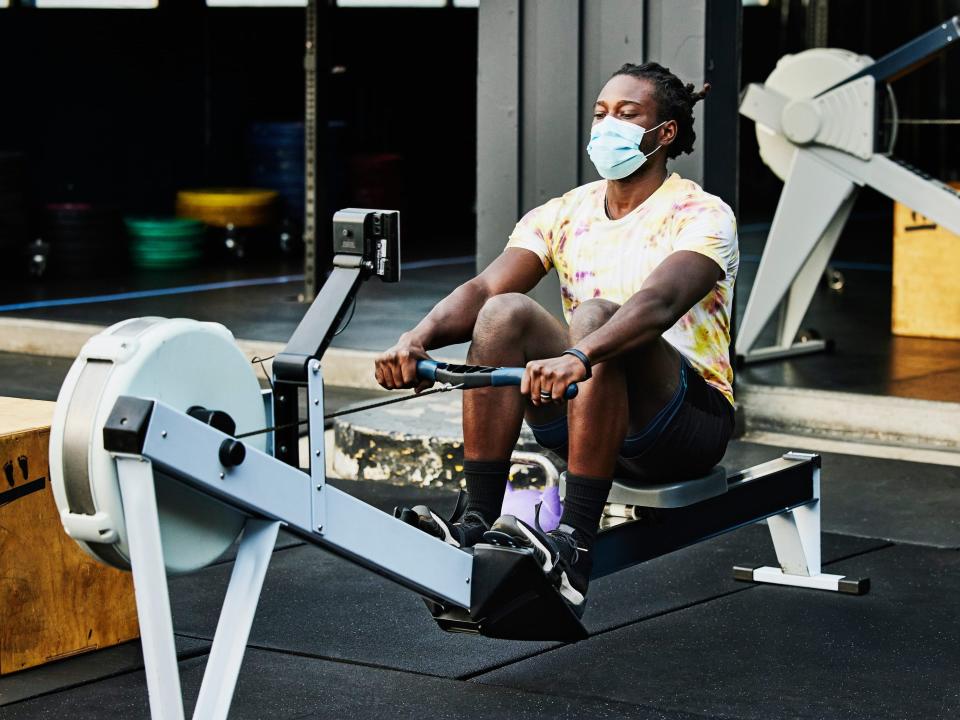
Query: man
x=647, y=263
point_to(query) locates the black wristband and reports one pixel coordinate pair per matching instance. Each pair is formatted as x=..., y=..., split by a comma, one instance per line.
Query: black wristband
x=581, y=356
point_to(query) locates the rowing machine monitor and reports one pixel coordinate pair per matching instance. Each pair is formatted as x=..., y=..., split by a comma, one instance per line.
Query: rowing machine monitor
x=373, y=236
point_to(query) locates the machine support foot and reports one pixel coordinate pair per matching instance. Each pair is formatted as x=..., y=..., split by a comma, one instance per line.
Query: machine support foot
x=796, y=538
x=777, y=352
x=821, y=581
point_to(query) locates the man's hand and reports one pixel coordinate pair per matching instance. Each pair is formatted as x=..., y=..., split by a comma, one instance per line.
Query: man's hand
x=551, y=376
x=397, y=367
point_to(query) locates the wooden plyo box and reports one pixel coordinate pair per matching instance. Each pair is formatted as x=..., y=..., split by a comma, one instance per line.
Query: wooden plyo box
x=55, y=600
x=926, y=277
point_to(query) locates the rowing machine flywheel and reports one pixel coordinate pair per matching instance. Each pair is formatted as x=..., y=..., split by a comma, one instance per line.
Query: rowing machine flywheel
x=802, y=76
x=183, y=363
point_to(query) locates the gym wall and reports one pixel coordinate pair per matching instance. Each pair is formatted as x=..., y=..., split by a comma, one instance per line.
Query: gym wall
x=128, y=106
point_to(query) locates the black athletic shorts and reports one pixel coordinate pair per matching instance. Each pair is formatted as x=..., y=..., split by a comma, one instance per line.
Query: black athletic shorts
x=687, y=438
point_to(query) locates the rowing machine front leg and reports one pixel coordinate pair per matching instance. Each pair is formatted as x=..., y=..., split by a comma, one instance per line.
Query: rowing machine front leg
x=796, y=539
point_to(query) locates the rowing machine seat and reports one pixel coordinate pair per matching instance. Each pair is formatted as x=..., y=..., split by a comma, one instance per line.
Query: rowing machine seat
x=678, y=493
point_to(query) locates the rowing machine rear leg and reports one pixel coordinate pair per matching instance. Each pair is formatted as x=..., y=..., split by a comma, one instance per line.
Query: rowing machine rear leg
x=796, y=539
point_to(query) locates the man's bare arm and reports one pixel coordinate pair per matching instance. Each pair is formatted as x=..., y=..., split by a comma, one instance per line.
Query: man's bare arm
x=678, y=283
x=452, y=319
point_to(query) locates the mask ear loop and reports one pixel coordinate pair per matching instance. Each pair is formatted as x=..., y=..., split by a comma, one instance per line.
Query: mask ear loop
x=655, y=127
x=653, y=151
x=647, y=155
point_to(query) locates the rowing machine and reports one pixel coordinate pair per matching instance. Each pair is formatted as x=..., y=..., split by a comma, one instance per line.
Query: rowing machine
x=149, y=475
x=826, y=124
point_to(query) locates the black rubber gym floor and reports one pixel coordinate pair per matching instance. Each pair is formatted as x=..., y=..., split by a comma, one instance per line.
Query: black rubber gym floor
x=673, y=638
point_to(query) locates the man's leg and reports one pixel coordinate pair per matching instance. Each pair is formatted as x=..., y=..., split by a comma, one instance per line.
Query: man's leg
x=623, y=395
x=510, y=331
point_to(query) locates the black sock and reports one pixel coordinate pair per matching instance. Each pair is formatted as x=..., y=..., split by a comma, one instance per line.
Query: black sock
x=583, y=504
x=486, y=483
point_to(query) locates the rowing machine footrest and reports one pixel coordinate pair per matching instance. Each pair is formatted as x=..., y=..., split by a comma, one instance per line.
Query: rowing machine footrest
x=511, y=599
x=665, y=495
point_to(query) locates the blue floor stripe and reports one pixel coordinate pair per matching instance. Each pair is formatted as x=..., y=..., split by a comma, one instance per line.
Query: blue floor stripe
x=159, y=292
x=205, y=287
x=438, y=262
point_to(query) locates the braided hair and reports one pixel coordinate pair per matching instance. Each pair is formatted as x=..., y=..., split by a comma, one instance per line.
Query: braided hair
x=675, y=101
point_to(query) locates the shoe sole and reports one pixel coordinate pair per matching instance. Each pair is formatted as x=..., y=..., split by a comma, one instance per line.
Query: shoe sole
x=431, y=523
x=528, y=540
x=444, y=530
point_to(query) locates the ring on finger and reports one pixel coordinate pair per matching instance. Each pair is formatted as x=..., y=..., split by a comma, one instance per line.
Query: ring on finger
x=545, y=395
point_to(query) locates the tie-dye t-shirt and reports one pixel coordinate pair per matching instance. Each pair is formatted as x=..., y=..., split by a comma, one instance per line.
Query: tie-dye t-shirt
x=597, y=257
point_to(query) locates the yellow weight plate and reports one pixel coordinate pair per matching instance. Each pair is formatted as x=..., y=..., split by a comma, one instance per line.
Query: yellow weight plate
x=227, y=197
x=240, y=207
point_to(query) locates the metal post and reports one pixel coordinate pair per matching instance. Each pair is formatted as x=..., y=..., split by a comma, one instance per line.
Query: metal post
x=318, y=460
x=316, y=229
x=721, y=108
x=310, y=154
x=817, y=23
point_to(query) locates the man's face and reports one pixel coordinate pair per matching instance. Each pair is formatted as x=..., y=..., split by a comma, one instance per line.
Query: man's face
x=631, y=99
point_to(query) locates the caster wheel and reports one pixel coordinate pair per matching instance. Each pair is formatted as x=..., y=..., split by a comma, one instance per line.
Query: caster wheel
x=807, y=335
x=835, y=280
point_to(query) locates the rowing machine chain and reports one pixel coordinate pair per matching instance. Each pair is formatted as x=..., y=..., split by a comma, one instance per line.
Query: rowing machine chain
x=447, y=387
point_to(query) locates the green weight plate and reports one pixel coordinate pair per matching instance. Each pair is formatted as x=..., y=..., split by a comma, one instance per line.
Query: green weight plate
x=164, y=227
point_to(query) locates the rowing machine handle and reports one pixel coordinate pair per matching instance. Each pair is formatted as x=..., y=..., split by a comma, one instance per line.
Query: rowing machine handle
x=474, y=376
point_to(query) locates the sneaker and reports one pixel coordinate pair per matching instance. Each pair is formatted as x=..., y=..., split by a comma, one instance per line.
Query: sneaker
x=564, y=558
x=464, y=529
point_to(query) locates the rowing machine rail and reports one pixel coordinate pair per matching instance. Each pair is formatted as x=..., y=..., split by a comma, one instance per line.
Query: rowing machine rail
x=498, y=592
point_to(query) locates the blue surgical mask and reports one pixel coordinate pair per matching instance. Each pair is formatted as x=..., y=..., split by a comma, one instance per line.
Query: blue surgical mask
x=614, y=147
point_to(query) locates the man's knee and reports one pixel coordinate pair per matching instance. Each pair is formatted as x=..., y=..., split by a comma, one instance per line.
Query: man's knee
x=589, y=316
x=504, y=314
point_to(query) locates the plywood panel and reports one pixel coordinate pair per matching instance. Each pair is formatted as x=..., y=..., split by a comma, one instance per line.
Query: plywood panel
x=54, y=599
x=17, y=415
x=926, y=277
